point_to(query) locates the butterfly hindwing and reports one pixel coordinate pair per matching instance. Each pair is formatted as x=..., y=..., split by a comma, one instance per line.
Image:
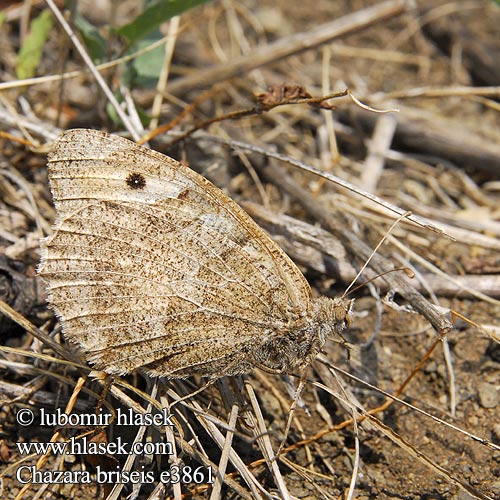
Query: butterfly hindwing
x=152, y=266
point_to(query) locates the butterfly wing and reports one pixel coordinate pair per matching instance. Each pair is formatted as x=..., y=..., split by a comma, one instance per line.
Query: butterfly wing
x=150, y=265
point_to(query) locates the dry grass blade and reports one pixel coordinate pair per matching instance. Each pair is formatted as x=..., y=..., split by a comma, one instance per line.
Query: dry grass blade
x=264, y=442
x=294, y=44
x=216, y=490
x=412, y=450
x=335, y=180
x=115, y=492
x=88, y=61
x=41, y=336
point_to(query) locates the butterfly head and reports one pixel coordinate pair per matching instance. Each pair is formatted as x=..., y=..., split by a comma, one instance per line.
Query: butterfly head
x=332, y=314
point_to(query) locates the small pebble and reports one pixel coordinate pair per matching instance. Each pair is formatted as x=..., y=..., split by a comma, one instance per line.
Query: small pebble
x=495, y=428
x=488, y=395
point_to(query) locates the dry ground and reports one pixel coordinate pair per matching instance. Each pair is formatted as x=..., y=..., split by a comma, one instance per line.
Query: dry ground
x=438, y=157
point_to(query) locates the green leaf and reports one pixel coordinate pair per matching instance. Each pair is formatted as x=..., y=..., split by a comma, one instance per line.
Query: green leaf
x=145, y=69
x=31, y=50
x=95, y=43
x=3, y=16
x=157, y=13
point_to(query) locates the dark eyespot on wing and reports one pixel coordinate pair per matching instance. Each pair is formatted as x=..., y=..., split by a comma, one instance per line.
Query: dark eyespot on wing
x=136, y=181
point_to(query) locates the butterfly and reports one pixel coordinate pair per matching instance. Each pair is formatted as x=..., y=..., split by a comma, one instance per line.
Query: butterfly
x=152, y=267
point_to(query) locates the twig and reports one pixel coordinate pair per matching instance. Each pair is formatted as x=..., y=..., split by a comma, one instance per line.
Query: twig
x=438, y=271
x=356, y=247
x=216, y=489
x=173, y=28
x=291, y=45
x=434, y=91
x=258, y=109
x=88, y=61
x=33, y=330
x=265, y=443
x=421, y=130
x=377, y=149
x=129, y=462
x=336, y=180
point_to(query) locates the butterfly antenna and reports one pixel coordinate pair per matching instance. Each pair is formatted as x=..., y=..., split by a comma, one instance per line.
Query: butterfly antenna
x=406, y=270
x=394, y=224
